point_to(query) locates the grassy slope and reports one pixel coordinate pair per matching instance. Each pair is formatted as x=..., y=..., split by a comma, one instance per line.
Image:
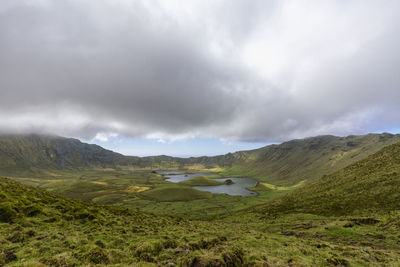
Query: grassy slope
x=31, y=154
x=307, y=159
x=53, y=230
x=370, y=184
x=125, y=188
x=175, y=193
x=38, y=228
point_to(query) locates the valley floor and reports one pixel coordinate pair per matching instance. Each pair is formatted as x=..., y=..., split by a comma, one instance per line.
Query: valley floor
x=143, y=190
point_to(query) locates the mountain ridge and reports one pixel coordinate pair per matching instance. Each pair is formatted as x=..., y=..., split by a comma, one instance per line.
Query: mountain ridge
x=32, y=151
x=307, y=159
x=284, y=164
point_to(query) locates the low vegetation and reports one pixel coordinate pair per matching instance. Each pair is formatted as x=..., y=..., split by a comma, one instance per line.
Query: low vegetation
x=200, y=181
x=307, y=159
x=175, y=193
x=370, y=184
x=38, y=228
x=142, y=190
x=285, y=164
x=123, y=216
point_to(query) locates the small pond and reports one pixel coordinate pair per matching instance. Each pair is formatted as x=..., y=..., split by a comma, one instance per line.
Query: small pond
x=238, y=188
x=176, y=177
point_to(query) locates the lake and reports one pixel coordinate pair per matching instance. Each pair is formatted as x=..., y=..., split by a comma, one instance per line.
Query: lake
x=239, y=188
x=176, y=177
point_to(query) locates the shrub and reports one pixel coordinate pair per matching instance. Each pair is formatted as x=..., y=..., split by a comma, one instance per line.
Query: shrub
x=84, y=214
x=7, y=212
x=169, y=243
x=146, y=251
x=7, y=256
x=97, y=255
x=207, y=243
x=58, y=261
x=16, y=237
x=32, y=210
x=100, y=243
x=233, y=257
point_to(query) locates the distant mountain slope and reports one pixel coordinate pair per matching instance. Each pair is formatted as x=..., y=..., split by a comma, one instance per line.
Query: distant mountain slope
x=290, y=162
x=19, y=153
x=284, y=164
x=305, y=159
x=370, y=184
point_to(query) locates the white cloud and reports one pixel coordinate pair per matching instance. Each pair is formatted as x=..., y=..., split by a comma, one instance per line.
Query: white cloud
x=103, y=137
x=170, y=70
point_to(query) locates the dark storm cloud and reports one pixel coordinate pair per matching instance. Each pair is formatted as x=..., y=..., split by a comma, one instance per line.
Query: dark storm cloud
x=126, y=70
x=228, y=69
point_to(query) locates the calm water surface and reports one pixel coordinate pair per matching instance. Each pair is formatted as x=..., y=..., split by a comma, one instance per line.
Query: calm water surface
x=239, y=188
x=176, y=177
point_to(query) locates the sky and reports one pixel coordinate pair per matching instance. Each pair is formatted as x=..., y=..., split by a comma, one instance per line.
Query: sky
x=198, y=77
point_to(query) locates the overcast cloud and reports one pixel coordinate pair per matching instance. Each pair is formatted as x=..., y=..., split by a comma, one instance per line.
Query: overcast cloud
x=242, y=70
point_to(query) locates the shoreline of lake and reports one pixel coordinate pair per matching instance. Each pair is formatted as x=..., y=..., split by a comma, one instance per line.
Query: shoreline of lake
x=238, y=188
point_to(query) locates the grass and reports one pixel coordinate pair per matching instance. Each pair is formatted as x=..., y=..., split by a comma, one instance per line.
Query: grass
x=38, y=228
x=347, y=218
x=283, y=165
x=370, y=184
x=43, y=229
x=141, y=190
x=200, y=181
x=175, y=193
x=307, y=159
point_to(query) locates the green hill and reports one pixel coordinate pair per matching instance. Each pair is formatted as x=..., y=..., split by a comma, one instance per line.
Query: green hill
x=38, y=228
x=286, y=164
x=372, y=184
x=306, y=159
x=45, y=229
x=21, y=154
